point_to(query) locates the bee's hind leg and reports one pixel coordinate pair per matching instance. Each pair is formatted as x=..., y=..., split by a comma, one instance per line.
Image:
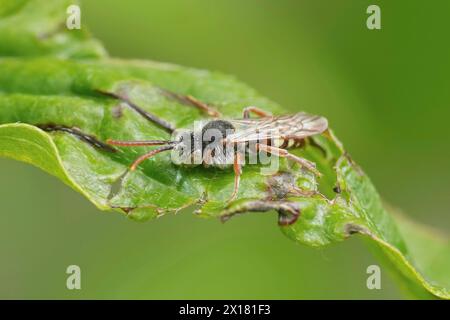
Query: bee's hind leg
x=311, y=166
x=259, y=112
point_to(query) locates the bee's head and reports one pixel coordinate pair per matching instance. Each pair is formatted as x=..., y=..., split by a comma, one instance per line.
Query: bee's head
x=215, y=129
x=185, y=144
x=210, y=132
x=189, y=144
x=184, y=139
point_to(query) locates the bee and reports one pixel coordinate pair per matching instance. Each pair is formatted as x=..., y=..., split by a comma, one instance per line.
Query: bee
x=274, y=135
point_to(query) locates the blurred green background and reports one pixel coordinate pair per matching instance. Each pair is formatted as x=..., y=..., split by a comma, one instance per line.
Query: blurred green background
x=386, y=93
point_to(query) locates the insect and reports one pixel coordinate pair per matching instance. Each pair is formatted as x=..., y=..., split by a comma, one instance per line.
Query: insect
x=271, y=134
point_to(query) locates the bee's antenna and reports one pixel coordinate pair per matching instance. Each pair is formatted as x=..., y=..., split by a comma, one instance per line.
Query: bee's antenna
x=139, y=143
x=150, y=154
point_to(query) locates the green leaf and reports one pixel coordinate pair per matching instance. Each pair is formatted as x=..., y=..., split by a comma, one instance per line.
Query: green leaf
x=38, y=27
x=54, y=114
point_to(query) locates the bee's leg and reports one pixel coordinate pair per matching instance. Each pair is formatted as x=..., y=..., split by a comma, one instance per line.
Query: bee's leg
x=237, y=166
x=137, y=143
x=259, y=112
x=191, y=101
x=90, y=139
x=147, y=115
x=285, y=154
x=288, y=212
x=149, y=155
x=203, y=107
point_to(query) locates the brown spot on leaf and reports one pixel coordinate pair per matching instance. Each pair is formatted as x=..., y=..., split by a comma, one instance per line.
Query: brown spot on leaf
x=337, y=189
x=288, y=212
x=351, y=228
x=126, y=210
x=283, y=184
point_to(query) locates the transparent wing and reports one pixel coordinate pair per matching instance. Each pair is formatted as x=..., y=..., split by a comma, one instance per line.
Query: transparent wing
x=297, y=126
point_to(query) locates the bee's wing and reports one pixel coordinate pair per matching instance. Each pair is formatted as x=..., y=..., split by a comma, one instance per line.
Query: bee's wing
x=297, y=126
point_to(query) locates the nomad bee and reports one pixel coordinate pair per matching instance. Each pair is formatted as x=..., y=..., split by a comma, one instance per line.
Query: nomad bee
x=224, y=142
